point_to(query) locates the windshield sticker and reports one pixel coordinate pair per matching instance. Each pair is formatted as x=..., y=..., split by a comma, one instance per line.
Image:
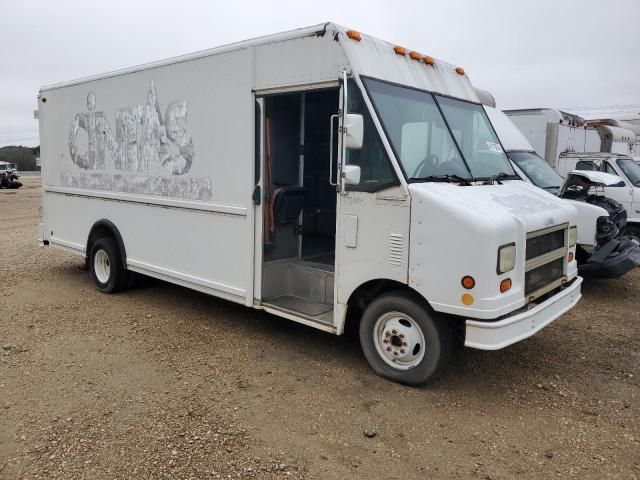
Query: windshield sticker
x=494, y=147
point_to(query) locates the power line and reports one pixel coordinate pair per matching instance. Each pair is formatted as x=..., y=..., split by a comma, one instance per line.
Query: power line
x=19, y=133
x=634, y=106
x=19, y=139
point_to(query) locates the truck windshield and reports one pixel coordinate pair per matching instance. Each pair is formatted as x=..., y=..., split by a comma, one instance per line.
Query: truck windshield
x=438, y=138
x=537, y=170
x=631, y=169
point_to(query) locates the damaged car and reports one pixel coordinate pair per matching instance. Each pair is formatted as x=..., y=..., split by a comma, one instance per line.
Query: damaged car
x=603, y=251
x=9, y=176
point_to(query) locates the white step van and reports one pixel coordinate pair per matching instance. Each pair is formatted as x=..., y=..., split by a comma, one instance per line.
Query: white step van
x=319, y=175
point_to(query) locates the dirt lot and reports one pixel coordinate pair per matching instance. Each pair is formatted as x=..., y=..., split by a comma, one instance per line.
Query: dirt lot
x=164, y=382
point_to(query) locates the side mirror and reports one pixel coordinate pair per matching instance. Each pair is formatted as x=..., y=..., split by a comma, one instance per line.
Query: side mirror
x=354, y=126
x=351, y=174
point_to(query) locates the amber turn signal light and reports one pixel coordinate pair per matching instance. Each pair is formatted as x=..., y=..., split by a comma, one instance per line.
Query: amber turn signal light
x=505, y=285
x=353, y=35
x=468, y=282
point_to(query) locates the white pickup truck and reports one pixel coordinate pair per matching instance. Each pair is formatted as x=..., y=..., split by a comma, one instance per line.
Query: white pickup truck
x=626, y=190
x=9, y=175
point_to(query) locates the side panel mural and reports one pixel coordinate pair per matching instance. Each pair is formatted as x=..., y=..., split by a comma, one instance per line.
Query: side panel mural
x=151, y=153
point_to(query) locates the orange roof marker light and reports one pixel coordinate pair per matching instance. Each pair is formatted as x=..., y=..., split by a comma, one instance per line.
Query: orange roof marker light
x=400, y=50
x=353, y=35
x=416, y=56
x=429, y=60
x=460, y=70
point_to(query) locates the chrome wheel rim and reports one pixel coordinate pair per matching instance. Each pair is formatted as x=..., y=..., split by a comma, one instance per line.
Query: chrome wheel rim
x=101, y=266
x=399, y=340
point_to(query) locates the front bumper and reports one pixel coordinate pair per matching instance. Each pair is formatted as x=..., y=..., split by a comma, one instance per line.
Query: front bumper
x=612, y=260
x=496, y=335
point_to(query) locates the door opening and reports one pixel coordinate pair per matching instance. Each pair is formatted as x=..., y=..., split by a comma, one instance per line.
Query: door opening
x=299, y=210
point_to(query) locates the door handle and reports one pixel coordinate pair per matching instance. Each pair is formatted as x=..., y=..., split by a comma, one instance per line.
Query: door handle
x=257, y=195
x=331, y=182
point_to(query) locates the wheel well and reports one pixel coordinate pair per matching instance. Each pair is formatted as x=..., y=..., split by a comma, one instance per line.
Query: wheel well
x=105, y=229
x=365, y=293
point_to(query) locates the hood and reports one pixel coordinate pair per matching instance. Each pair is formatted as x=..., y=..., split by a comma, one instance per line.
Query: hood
x=459, y=230
x=591, y=178
x=514, y=200
x=587, y=186
x=579, y=183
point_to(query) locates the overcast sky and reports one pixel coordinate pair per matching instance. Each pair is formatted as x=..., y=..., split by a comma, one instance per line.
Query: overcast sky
x=556, y=53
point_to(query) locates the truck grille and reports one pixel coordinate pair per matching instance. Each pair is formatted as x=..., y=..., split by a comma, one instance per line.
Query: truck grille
x=540, y=277
x=545, y=243
x=545, y=255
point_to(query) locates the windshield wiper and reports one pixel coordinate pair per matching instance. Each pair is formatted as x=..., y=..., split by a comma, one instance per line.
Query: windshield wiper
x=500, y=176
x=441, y=178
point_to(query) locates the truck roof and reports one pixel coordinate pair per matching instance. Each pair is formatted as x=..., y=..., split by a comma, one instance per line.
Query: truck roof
x=593, y=155
x=553, y=115
x=597, y=178
x=230, y=47
x=366, y=55
x=633, y=128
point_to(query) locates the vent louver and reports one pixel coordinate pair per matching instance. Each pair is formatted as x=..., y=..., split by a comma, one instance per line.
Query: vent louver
x=396, y=249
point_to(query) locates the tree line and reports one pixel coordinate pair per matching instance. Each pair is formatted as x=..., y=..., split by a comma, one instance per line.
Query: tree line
x=23, y=157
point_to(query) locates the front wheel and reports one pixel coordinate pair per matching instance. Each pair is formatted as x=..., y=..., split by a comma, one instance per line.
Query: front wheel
x=403, y=339
x=107, y=268
x=633, y=232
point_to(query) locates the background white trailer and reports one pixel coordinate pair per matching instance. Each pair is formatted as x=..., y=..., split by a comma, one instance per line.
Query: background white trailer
x=552, y=132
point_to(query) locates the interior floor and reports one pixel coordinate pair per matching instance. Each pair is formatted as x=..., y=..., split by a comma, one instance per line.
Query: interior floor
x=297, y=304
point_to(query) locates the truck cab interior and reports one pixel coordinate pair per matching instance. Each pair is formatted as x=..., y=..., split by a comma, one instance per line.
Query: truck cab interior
x=299, y=207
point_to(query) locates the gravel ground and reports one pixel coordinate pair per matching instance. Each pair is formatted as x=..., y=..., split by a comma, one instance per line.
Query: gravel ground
x=164, y=382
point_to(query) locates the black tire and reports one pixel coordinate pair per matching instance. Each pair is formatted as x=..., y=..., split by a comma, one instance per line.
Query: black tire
x=633, y=231
x=435, y=330
x=117, y=275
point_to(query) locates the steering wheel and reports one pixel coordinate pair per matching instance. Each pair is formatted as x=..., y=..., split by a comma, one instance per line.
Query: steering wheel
x=431, y=158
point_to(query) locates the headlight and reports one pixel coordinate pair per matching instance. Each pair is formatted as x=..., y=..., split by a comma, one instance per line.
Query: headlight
x=506, y=258
x=573, y=236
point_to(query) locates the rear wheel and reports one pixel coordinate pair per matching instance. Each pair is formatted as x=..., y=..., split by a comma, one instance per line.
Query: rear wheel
x=107, y=267
x=403, y=339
